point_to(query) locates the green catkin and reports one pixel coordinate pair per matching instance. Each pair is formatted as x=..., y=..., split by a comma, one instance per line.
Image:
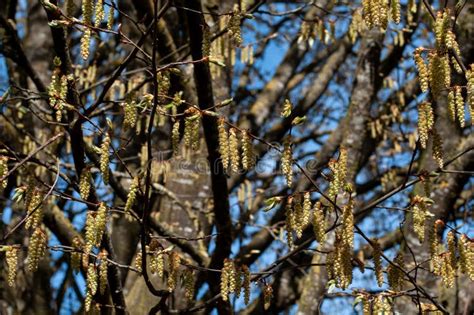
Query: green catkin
x=423, y=73
x=425, y=122
x=70, y=7
x=234, y=150
x=103, y=272
x=224, y=149
x=287, y=161
x=191, y=130
x=104, y=158
x=36, y=249
x=11, y=256
x=85, y=183
x=110, y=18
x=3, y=171
x=319, y=223
x=248, y=155
x=206, y=41
x=175, y=137
x=459, y=105
x=100, y=223
x=377, y=257
x=132, y=195
x=87, y=10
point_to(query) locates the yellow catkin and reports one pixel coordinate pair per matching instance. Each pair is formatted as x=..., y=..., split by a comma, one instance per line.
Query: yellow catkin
x=248, y=155
x=175, y=137
x=223, y=143
x=103, y=272
x=423, y=73
x=90, y=237
x=267, y=296
x=377, y=257
x=238, y=280
x=425, y=122
x=246, y=283
x=452, y=105
x=87, y=10
x=306, y=209
x=341, y=262
x=100, y=223
x=466, y=256
x=290, y=221
x=138, y=261
x=394, y=274
x=381, y=305
x=224, y=283
x=319, y=223
x=99, y=13
x=298, y=215
x=442, y=25
x=420, y=214
x=395, y=10
x=451, y=43
x=191, y=129
x=287, y=161
x=85, y=43
x=88, y=300
x=339, y=173
x=348, y=224
x=132, y=196
x=438, y=149
x=76, y=254
x=234, y=153
x=130, y=114
x=448, y=273
x=366, y=306
x=451, y=240
x=434, y=246
x=110, y=18
x=3, y=171
x=91, y=279
x=35, y=210
x=11, y=256
x=439, y=73
x=105, y=159
x=36, y=249
x=174, y=261
x=459, y=105
x=470, y=91
x=85, y=183
x=188, y=279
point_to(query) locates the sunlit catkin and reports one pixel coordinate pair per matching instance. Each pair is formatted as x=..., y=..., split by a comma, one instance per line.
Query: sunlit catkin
x=157, y=263
x=423, y=73
x=425, y=122
x=451, y=240
x=36, y=248
x=466, y=256
x=90, y=237
x=442, y=25
x=381, y=305
x=130, y=114
x=85, y=183
x=224, y=149
x=110, y=18
x=248, y=155
x=290, y=221
x=287, y=161
x=377, y=257
x=85, y=43
x=348, y=224
x=104, y=158
x=76, y=253
x=138, y=261
x=100, y=223
x=420, y=213
x=91, y=279
x=395, y=10
x=103, y=272
x=452, y=105
x=132, y=196
x=319, y=223
x=35, y=210
x=234, y=150
x=438, y=148
x=448, y=273
x=191, y=129
x=11, y=256
x=439, y=73
x=99, y=12
x=306, y=209
x=470, y=91
x=459, y=104
x=3, y=171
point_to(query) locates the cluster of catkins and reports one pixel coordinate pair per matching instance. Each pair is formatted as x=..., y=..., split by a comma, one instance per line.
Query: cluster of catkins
x=96, y=222
x=378, y=304
x=419, y=207
x=377, y=13
x=230, y=146
x=92, y=15
x=96, y=278
x=339, y=261
x=459, y=255
x=57, y=90
x=234, y=279
x=298, y=212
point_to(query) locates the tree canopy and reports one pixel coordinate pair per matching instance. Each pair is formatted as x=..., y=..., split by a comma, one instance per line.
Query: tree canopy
x=251, y=157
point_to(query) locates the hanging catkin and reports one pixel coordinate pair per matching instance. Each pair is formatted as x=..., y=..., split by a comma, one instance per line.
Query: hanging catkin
x=234, y=150
x=104, y=158
x=248, y=155
x=287, y=161
x=223, y=143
